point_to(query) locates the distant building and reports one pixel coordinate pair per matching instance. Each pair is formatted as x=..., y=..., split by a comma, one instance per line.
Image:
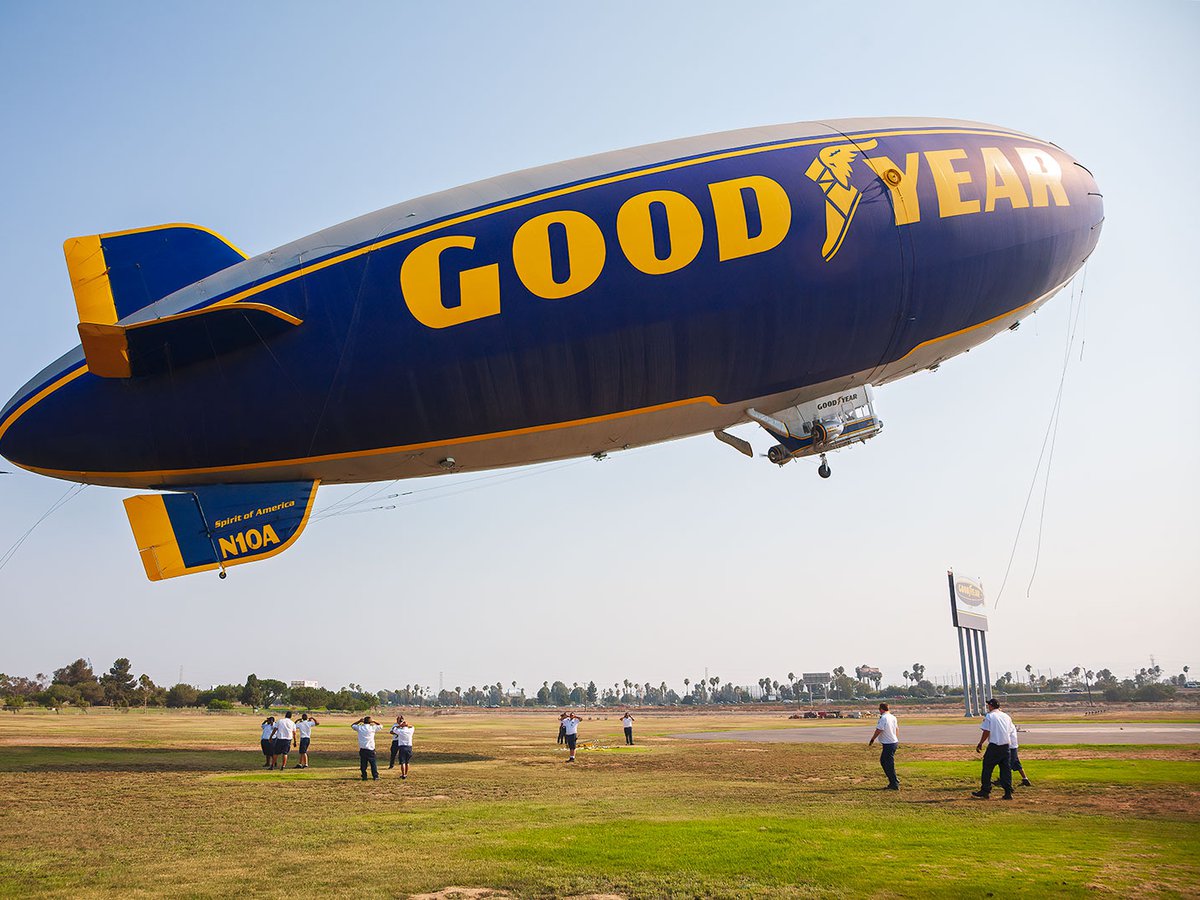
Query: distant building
x=304, y=684
x=868, y=673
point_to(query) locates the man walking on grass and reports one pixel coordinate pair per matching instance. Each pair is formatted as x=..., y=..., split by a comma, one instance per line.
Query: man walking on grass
x=366, y=746
x=571, y=728
x=887, y=730
x=402, y=739
x=996, y=729
x=304, y=728
x=285, y=730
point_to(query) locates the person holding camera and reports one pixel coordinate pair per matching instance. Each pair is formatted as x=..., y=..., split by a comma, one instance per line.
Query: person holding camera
x=304, y=730
x=627, y=724
x=402, y=739
x=571, y=729
x=285, y=732
x=268, y=743
x=366, y=746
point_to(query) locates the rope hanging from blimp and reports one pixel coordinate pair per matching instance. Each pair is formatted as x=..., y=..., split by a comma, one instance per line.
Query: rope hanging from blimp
x=345, y=507
x=1074, y=314
x=70, y=494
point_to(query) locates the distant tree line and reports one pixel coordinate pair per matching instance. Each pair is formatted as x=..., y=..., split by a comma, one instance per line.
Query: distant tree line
x=75, y=684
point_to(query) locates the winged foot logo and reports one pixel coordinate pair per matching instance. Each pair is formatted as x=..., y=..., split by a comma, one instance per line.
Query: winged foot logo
x=968, y=593
x=831, y=171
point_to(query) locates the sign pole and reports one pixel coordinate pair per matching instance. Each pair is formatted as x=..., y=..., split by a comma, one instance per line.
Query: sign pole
x=962, y=661
x=987, y=673
x=971, y=673
x=979, y=671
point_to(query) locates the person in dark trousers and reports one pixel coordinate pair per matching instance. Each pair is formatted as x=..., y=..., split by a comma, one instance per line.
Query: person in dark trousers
x=995, y=730
x=268, y=743
x=366, y=746
x=627, y=724
x=402, y=743
x=562, y=728
x=887, y=730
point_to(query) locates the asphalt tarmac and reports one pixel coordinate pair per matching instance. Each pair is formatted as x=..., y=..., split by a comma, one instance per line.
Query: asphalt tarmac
x=967, y=732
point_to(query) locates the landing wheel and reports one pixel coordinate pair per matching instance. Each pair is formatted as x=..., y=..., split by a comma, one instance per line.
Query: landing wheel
x=824, y=471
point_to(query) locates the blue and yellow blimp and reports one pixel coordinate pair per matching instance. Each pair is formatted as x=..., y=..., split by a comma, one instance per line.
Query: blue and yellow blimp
x=772, y=275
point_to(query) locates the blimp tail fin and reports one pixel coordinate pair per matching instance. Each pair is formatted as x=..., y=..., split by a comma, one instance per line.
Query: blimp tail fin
x=216, y=526
x=114, y=275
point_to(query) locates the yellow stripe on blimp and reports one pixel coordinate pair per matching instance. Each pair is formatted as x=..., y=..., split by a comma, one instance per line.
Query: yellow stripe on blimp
x=156, y=541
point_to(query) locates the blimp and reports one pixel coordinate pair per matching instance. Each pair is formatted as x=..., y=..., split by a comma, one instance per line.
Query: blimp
x=775, y=275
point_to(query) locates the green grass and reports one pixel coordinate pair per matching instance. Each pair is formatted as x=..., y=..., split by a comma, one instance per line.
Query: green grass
x=1079, y=772
x=140, y=805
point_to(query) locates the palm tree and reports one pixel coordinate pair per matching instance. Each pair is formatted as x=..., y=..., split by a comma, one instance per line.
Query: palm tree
x=1029, y=672
x=907, y=676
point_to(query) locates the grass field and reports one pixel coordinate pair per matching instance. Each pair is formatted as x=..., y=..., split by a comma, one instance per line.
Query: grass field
x=142, y=804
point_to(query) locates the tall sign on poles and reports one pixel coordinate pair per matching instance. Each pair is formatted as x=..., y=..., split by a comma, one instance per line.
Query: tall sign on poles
x=968, y=608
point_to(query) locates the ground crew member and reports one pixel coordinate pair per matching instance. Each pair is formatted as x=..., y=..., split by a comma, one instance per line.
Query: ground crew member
x=402, y=740
x=887, y=730
x=571, y=729
x=562, y=729
x=366, y=745
x=304, y=729
x=627, y=724
x=268, y=743
x=285, y=730
x=1014, y=760
x=995, y=730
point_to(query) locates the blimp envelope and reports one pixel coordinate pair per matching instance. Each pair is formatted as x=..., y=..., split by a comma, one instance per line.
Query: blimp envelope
x=217, y=526
x=774, y=275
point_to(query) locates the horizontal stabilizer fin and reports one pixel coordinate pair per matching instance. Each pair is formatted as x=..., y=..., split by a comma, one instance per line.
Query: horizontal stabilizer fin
x=115, y=275
x=159, y=345
x=215, y=526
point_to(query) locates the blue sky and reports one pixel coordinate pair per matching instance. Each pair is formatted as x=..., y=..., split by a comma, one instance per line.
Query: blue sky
x=268, y=121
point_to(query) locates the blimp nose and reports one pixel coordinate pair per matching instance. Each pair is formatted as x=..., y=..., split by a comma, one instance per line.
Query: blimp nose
x=39, y=427
x=14, y=435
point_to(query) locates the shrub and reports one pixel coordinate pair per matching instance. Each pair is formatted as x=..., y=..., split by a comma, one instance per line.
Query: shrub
x=1152, y=693
x=218, y=705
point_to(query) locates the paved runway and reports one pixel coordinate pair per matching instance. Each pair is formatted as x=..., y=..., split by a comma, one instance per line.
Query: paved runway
x=967, y=732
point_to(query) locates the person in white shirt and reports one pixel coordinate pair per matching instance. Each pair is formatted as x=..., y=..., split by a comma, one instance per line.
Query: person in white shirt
x=366, y=745
x=1014, y=760
x=887, y=730
x=285, y=731
x=627, y=724
x=402, y=738
x=996, y=729
x=571, y=726
x=267, y=743
x=304, y=728
x=562, y=729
